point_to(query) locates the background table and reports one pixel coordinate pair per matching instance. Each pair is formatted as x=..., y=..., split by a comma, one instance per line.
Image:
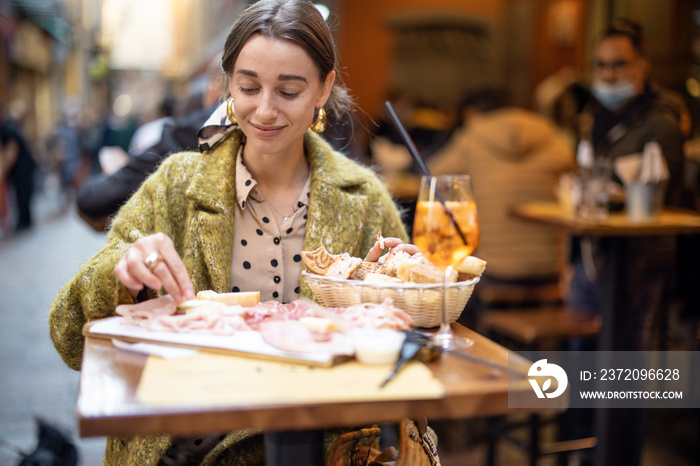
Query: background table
x=619, y=431
x=617, y=224
x=110, y=377
x=619, y=229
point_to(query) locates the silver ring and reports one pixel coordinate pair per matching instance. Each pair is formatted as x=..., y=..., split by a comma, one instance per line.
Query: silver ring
x=152, y=260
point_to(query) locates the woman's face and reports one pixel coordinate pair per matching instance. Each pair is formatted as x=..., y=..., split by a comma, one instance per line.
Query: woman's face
x=275, y=87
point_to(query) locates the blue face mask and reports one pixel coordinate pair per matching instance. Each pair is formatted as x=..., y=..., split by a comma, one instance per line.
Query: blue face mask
x=614, y=96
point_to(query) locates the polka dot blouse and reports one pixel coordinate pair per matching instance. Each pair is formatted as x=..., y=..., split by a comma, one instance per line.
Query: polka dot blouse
x=266, y=256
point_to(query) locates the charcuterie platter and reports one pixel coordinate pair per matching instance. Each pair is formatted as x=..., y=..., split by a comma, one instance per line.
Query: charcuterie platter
x=297, y=332
x=248, y=343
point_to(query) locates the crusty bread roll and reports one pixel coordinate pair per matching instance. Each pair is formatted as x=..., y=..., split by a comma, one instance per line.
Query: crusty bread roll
x=472, y=266
x=319, y=261
x=363, y=269
x=344, y=266
x=242, y=298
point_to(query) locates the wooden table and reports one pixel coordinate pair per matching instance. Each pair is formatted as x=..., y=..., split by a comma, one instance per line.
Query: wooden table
x=618, y=229
x=617, y=224
x=110, y=377
x=616, y=311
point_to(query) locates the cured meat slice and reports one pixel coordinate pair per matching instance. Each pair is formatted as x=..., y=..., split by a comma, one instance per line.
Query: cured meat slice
x=278, y=322
x=213, y=323
x=370, y=315
x=294, y=337
x=146, y=311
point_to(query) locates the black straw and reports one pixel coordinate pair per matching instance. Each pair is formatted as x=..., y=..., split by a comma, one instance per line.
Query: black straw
x=407, y=140
x=416, y=156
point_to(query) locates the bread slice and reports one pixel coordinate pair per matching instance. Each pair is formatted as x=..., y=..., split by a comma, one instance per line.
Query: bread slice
x=472, y=266
x=406, y=264
x=380, y=239
x=392, y=262
x=363, y=269
x=428, y=273
x=344, y=266
x=242, y=298
x=319, y=261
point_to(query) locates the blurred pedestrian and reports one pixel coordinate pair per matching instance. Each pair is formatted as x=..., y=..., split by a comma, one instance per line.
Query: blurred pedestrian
x=102, y=194
x=68, y=148
x=148, y=133
x=17, y=165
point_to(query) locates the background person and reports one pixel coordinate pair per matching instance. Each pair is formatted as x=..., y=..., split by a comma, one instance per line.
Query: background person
x=624, y=113
x=17, y=164
x=237, y=215
x=101, y=195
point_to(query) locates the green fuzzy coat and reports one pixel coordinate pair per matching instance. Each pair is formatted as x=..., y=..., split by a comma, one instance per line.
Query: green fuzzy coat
x=191, y=198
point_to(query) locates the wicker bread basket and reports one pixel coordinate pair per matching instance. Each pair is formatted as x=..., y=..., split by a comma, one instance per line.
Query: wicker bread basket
x=422, y=301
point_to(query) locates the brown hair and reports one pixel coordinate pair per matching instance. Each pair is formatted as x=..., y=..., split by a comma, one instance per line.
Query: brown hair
x=296, y=21
x=628, y=29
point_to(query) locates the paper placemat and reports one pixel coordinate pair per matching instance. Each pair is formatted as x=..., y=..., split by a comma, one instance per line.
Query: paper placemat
x=213, y=379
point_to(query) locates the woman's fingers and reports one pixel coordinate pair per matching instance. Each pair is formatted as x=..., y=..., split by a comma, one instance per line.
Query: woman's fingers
x=173, y=275
x=153, y=262
x=121, y=271
x=374, y=253
x=407, y=247
x=392, y=243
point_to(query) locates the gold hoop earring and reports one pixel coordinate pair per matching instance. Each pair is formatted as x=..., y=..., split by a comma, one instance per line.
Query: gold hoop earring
x=229, y=112
x=319, y=123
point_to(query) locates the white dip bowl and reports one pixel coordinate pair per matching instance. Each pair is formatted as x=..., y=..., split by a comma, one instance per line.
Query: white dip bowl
x=376, y=346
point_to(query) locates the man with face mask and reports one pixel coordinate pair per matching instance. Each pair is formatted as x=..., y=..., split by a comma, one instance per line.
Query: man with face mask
x=623, y=113
x=627, y=111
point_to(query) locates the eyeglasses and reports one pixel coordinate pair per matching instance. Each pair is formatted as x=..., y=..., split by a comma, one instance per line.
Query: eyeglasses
x=615, y=66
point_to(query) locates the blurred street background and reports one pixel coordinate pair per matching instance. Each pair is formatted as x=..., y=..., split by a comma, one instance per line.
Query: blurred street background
x=34, y=382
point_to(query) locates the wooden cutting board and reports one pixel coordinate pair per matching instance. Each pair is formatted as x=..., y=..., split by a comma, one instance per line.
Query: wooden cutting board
x=242, y=343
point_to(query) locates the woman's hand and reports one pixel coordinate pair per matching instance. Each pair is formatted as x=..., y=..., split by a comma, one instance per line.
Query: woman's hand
x=152, y=261
x=393, y=244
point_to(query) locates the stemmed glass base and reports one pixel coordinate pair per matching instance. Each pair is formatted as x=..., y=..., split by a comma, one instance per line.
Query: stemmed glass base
x=444, y=337
x=448, y=341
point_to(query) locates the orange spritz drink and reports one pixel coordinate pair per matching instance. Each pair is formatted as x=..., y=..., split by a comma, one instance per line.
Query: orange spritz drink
x=446, y=231
x=435, y=234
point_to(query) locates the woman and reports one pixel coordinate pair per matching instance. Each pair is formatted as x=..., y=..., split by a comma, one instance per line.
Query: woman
x=237, y=215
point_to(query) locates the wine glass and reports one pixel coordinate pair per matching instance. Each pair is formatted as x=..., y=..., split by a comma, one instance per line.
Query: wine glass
x=446, y=230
